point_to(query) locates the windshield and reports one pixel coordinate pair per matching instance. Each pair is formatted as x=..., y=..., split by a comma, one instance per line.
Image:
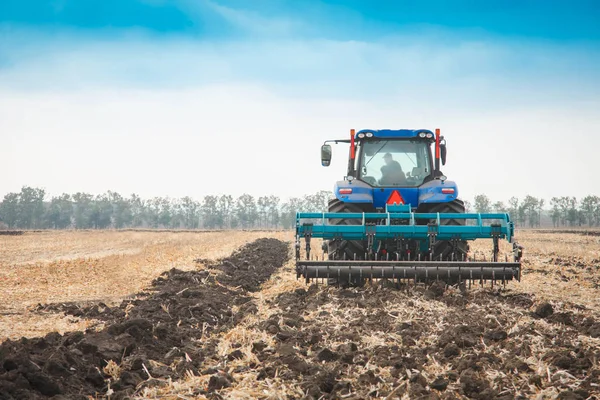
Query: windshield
x=394, y=162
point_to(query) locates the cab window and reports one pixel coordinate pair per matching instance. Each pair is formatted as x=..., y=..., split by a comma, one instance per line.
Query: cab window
x=394, y=162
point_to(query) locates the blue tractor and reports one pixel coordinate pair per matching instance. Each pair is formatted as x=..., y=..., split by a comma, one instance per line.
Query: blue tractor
x=396, y=216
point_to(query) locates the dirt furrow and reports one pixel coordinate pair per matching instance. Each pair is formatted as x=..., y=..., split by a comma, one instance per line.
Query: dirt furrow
x=167, y=332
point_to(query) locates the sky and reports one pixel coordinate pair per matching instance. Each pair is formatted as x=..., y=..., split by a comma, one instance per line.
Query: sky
x=196, y=97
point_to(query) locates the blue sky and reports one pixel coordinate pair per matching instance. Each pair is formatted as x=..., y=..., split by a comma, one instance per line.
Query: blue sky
x=554, y=20
x=134, y=92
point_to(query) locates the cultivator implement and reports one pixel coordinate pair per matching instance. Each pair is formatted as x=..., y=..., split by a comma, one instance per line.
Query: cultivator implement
x=401, y=245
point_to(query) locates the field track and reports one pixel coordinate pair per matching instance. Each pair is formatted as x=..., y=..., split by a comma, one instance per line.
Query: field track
x=221, y=315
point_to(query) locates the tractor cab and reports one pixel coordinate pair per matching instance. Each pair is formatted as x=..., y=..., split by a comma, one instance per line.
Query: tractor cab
x=384, y=165
x=394, y=162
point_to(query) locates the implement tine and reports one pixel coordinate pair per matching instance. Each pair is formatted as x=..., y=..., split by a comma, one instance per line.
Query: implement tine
x=470, y=280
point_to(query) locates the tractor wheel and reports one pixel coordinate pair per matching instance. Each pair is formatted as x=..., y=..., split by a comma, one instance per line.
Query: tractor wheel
x=345, y=249
x=444, y=247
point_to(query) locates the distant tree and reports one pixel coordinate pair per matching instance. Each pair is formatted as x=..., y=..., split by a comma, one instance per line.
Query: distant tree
x=60, y=212
x=262, y=209
x=177, y=214
x=513, y=210
x=190, y=210
x=82, y=213
x=138, y=210
x=468, y=206
x=499, y=207
x=225, y=211
x=27, y=209
x=589, y=207
x=165, y=213
x=9, y=210
x=555, y=212
x=564, y=203
x=273, y=211
x=482, y=204
x=572, y=211
x=529, y=210
x=210, y=212
x=289, y=210
x=319, y=202
x=540, y=209
x=246, y=211
x=153, y=212
x=31, y=207
x=101, y=212
x=122, y=215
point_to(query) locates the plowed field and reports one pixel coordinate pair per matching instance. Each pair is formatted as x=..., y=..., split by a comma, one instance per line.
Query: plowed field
x=221, y=315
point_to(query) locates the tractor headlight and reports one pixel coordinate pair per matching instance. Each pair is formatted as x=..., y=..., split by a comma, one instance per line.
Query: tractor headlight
x=422, y=134
x=429, y=135
x=369, y=134
x=361, y=135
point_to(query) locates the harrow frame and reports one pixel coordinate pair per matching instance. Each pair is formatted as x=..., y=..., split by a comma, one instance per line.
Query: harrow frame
x=398, y=224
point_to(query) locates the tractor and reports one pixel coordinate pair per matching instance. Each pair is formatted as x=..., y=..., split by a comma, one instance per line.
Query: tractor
x=396, y=216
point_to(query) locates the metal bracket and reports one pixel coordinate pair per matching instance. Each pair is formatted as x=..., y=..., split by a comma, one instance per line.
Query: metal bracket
x=454, y=242
x=517, y=251
x=432, y=232
x=308, y=229
x=401, y=245
x=496, y=234
x=297, y=246
x=370, y=229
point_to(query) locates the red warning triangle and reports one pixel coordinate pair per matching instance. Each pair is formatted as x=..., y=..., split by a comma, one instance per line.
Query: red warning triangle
x=395, y=198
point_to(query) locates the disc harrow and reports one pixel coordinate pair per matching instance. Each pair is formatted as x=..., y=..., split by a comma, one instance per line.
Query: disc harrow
x=403, y=246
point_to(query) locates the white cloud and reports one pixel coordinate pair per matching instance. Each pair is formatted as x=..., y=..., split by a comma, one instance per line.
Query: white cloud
x=177, y=117
x=236, y=139
x=250, y=21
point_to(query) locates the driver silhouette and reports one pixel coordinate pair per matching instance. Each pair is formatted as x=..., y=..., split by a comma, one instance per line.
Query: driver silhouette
x=391, y=172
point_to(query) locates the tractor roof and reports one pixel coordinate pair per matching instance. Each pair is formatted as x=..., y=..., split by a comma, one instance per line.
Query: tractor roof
x=394, y=133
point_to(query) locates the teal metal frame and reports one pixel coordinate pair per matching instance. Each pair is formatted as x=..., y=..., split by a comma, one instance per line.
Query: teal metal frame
x=502, y=227
x=374, y=227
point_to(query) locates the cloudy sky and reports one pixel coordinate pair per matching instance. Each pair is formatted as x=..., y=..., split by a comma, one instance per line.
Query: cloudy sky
x=196, y=97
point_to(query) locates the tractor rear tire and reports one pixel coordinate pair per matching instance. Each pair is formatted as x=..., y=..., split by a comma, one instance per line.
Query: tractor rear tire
x=345, y=249
x=444, y=247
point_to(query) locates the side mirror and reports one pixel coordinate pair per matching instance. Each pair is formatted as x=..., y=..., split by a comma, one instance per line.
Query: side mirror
x=443, y=151
x=325, y=155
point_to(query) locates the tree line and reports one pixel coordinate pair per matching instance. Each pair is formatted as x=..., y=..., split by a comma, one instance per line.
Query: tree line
x=32, y=209
x=530, y=211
